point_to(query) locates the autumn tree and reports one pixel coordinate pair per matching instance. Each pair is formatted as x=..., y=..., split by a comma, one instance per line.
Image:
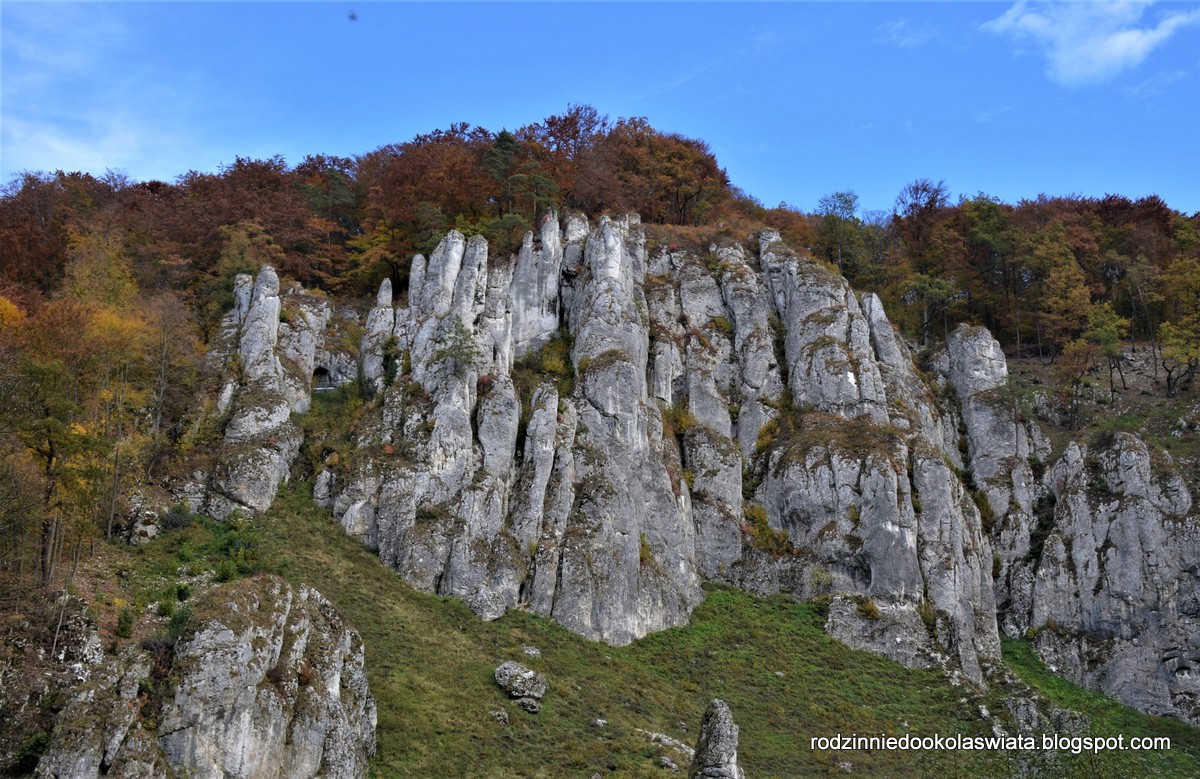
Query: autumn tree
x=919, y=209
x=560, y=143
x=839, y=228
x=995, y=280
x=1069, y=371
x=18, y=478
x=245, y=248
x=666, y=178
x=98, y=270
x=933, y=296
x=1180, y=337
x=1105, y=331
x=172, y=361
x=56, y=366
x=260, y=192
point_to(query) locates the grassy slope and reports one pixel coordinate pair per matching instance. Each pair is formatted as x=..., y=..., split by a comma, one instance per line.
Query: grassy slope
x=431, y=661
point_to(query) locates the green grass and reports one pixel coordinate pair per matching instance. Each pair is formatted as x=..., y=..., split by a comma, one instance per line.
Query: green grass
x=430, y=663
x=1110, y=718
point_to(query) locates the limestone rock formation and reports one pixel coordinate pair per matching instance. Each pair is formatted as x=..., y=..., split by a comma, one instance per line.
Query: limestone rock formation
x=266, y=682
x=716, y=750
x=519, y=681
x=1095, y=554
x=99, y=732
x=275, y=346
x=270, y=684
x=595, y=425
x=1005, y=454
x=1114, y=598
x=527, y=686
x=603, y=501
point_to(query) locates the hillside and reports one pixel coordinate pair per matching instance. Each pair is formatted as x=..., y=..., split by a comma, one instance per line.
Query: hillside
x=430, y=664
x=609, y=433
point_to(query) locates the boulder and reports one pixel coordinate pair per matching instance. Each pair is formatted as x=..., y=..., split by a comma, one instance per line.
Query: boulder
x=519, y=681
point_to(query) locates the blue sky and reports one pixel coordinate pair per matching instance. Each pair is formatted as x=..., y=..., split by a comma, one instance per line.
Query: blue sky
x=796, y=99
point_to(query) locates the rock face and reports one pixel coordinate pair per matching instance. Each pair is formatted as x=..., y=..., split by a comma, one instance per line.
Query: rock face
x=1095, y=554
x=716, y=751
x=1002, y=450
x=601, y=498
x=120, y=746
x=1114, y=598
x=276, y=348
x=267, y=681
x=592, y=427
x=271, y=684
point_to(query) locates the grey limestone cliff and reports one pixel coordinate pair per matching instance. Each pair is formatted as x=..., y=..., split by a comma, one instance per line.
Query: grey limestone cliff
x=594, y=426
x=1096, y=553
x=266, y=682
x=1114, y=599
x=272, y=347
x=605, y=501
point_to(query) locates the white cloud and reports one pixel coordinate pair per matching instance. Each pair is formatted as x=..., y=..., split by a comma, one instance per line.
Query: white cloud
x=901, y=33
x=1091, y=42
x=983, y=117
x=75, y=97
x=1157, y=84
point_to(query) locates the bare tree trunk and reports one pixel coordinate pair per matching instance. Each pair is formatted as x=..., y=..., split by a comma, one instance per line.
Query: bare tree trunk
x=112, y=498
x=66, y=598
x=50, y=527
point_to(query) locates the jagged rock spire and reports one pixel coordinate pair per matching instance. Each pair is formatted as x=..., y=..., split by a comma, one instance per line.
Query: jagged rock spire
x=716, y=750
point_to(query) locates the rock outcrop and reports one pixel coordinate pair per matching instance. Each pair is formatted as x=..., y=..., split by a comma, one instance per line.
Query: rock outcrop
x=267, y=681
x=594, y=426
x=270, y=684
x=1114, y=598
x=1004, y=454
x=716, y=750
x=600, y=490
x=276, y=348
x=1095, y=553
x=527, y=686
x=99, y=732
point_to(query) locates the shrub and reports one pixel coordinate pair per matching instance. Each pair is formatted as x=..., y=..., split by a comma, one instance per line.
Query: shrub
x=277, y=677
x=820, y=579
x=867, y=609
x=680, y=419
x=928, y=613
x=762, y=535
x=29, y=752
x=178, y=621
x=177, y=517
x=225, y=571
x=1043, y=509
x=987, y=517
x=766, y=435
x=125, y=622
